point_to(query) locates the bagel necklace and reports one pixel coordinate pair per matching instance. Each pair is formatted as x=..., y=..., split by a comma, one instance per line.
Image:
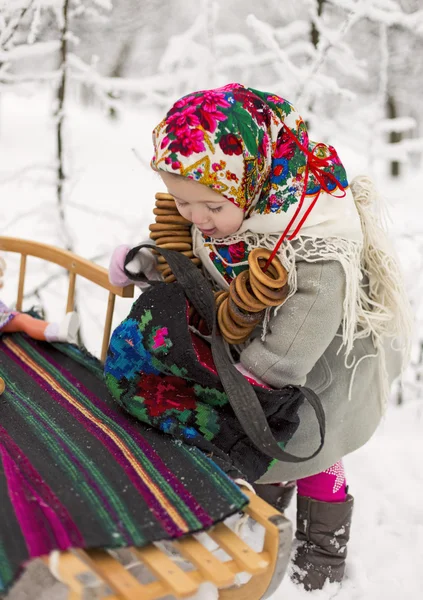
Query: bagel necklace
x=239, y=311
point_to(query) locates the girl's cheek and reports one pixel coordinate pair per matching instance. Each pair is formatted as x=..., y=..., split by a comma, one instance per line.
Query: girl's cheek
x=184, y=212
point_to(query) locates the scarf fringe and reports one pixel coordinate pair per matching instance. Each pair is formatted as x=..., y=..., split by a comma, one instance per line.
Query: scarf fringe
x=386, y=308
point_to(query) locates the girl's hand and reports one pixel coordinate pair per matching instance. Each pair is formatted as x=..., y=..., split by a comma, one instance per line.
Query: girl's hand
x=2, y=270
x=143, y=262
x=117, y=275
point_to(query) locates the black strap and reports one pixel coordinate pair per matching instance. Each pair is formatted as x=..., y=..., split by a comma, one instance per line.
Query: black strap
x=241, y=394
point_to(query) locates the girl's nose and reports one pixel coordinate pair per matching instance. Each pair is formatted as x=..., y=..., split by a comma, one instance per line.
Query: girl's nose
x=199, y=216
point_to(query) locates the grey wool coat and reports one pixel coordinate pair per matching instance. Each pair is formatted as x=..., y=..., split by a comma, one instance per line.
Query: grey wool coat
x=301, y=347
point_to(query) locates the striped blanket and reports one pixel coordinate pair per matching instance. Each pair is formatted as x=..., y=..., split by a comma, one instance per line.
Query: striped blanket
x=76, y=471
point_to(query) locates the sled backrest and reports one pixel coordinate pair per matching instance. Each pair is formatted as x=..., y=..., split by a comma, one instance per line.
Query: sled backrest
x=76, y=266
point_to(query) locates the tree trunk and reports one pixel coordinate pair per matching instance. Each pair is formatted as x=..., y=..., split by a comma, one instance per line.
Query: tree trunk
x=118, y=70
x=314, y=34
x=315, y=38
x=394, y=136
x=60, y=116
x=60, y=120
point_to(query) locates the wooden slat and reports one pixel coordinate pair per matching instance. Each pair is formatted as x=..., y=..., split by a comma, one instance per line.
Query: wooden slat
x=108, y=325
x=163, y=567
x=68, y=260
x=21, y=283
x=113, y=574
x=72, y=570
x=210, y=567
x=259, y=510
x=243, y=555
x=70, y=304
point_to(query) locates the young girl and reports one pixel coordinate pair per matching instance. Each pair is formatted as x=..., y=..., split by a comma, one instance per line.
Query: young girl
x=242, y=169
x=13, y=321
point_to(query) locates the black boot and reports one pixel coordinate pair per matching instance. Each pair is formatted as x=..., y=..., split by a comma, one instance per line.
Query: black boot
x=277, y=495
x=323, y=529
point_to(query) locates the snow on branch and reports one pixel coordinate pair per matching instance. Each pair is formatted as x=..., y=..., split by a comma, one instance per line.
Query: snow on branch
x=234, y=41
x=399, y=125
x=383, y=11
x=399, y=151
x=292, y=32
x=30, y=51
x=105, y=5
x=324, y=46
x=266, y=35
x=10, y=78
x=303, y=77
x=178, y=45
x=12, y=26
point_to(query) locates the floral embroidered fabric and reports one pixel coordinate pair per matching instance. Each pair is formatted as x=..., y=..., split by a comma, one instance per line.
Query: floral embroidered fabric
x=164, y=375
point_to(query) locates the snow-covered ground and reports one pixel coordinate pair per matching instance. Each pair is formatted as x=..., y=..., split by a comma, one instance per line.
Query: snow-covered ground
x=109, y=201
x=386, y=546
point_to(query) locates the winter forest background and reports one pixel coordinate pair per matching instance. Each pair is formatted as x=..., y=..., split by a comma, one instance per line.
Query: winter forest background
x=83, y=83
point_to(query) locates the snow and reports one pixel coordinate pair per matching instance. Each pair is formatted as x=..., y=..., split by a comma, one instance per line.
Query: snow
x=386, y=480
x=30, y=50
x=109, y=199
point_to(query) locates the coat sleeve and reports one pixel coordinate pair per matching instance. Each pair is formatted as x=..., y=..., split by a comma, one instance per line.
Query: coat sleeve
x=303, y=327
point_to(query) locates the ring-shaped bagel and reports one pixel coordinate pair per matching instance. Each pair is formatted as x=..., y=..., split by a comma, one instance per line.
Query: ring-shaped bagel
x=253, y=261
x=273, y=294
x=169, y=226
x=234, y=329
x=163, y=212
x=154, y=235
x=164, y=219
x=271, y=270
x=246, y=296
x=166, y=239
x=178, y=246
x=229, y=337
x=245, y=319
x=167, y=272
x=265, y=299
x=268, y=292
x=164, y=196
x=235, y=296
x=220, y=297
x=166, y=204
x=170, y=278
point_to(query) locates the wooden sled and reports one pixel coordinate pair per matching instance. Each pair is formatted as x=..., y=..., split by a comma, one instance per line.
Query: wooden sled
x=78, y=568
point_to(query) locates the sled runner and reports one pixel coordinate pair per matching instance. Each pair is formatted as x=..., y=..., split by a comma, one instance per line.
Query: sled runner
x=137, y=488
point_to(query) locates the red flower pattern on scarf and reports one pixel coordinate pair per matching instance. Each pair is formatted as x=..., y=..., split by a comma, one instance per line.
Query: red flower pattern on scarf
x=230, y=144
x=285, y=146
x=188, y=142
x=165, y=393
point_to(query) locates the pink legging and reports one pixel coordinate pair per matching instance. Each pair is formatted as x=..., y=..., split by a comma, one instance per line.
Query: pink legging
x=328, y=486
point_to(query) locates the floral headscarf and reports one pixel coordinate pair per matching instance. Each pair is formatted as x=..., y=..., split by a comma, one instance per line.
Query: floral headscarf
x=250, y=146
x=253, y=148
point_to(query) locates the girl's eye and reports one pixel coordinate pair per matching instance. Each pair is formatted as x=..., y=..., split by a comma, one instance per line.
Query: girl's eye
x=179, y=203
x=215, y=210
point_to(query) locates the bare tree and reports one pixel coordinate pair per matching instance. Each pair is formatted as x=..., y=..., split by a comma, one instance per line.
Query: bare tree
x=60, y=118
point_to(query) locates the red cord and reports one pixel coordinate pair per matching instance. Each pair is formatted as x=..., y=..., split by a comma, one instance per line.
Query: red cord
x=314, y=164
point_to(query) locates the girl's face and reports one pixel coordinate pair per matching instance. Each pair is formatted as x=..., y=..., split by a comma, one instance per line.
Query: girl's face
x=209, y=211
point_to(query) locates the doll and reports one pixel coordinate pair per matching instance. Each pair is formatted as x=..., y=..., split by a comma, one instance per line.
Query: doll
x=12, y=321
